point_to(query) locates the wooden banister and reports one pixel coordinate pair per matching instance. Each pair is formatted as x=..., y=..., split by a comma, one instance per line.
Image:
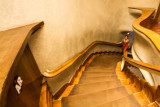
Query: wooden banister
x=71, y=61
x=143, y=91
x=148, y=67
x=143, y=24
x=150, y=92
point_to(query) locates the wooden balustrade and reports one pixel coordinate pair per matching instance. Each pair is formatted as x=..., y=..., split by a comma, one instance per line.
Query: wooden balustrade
x=143, y=25
x=142, y=89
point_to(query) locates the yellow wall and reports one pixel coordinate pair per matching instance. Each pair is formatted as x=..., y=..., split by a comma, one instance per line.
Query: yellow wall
x=70, y=25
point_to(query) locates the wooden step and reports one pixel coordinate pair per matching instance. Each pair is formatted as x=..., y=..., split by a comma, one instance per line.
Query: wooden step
x=98, y=74
x=96, y=98
x=99, y=69
x=97, y=79
x=94, y=87
x=128, y=101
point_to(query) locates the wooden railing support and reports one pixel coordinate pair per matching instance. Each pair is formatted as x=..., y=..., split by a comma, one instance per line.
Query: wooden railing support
x=141, y=88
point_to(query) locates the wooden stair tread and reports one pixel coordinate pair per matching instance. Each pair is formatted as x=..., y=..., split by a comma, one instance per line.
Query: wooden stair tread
x=128, y=101
x=99, y=69
x=94, y=87
x=100, y=87
x=87, y=100
x=97, y=79
x=97, y=74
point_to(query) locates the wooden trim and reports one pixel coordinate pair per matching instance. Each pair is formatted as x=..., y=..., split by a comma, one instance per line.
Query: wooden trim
x=149, y=67
x=71, y=61
x=45, y=96
x=141, y=24
x=142, y=90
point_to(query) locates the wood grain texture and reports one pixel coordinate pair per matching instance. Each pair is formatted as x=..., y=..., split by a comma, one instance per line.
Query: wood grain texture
x=71, y=61
x=43, y=96
x=151, y=92
x=143, y=24
x=28, y=70
x=156, y=22
x=13, y=43
x=143, y=91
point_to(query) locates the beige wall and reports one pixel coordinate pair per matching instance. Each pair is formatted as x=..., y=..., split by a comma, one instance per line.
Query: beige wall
x=70, y=25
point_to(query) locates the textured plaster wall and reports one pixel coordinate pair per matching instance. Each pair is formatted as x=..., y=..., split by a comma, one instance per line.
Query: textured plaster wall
x=70, y=25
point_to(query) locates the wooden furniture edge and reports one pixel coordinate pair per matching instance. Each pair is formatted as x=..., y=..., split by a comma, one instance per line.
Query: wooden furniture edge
x=146, y=13
x=71, y=61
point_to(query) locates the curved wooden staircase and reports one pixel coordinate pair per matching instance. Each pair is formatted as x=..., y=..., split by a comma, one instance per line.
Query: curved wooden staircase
x=99, y=86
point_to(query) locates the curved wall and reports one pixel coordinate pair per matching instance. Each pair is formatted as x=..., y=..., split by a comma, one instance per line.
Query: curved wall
x=148, y=77
x=70, y=25
x=146, y=52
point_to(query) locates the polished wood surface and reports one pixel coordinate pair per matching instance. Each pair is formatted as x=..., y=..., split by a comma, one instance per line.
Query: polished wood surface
x=156, y=27
x=13, y=43
x=45, y=96
x=28, y=70
x=132, y=82
x=144, y=24
x=143, y=91
x=107, y=91
x=156, y=22
x=71, y=61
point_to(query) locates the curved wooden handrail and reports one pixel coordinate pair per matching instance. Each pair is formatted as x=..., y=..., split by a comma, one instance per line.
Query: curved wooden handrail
x=149, y=67
x=137, y=24
x=71, y=61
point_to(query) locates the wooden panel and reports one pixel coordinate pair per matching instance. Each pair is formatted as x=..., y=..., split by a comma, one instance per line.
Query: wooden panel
x=28, y=70
x=13, y=43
